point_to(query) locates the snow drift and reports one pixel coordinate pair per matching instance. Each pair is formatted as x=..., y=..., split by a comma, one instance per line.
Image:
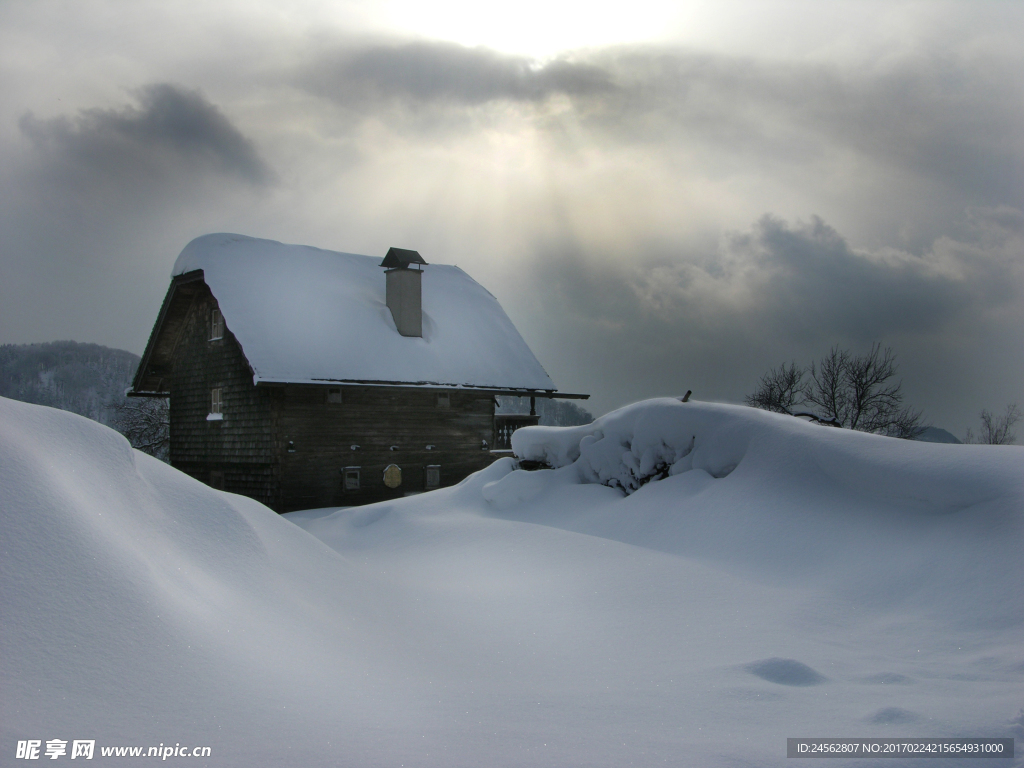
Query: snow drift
x=893, y=520
x=691, y=584
x=657, y=438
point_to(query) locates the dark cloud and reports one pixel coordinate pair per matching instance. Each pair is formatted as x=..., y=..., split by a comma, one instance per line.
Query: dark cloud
x=97, y=203
x=449, y=73
x=712, y=322
x=786, y=273
x=945, y=117
x=171, y=125
x=840, y=293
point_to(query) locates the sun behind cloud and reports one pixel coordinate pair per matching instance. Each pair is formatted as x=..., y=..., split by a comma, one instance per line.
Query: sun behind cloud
x=536, y=28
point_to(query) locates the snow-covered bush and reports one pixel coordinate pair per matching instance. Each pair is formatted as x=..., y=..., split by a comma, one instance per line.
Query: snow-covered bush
x=637, y=444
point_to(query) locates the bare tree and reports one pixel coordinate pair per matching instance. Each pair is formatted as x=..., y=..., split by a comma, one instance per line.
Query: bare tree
x=844, y=390
x=780, y=390
x=145, y=421
x=996, y=431
x=829, y=388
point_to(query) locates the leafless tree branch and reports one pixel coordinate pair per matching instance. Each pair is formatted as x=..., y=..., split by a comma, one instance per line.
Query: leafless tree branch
x=996, y=430
x=146, y=424
x=845, y=390
x=779, y=390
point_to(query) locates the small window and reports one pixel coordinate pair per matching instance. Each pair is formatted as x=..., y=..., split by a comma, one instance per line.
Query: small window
x=350, y=478
x=216, y=404
x=216, y=324
x=443, y=400
x=334, y=395
x=216, y=479
x=432, y=476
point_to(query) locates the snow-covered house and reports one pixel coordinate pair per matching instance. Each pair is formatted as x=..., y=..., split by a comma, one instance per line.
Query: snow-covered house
x=308, y=378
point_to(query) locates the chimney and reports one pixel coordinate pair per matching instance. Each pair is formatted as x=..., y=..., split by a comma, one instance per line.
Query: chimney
x=404, y=290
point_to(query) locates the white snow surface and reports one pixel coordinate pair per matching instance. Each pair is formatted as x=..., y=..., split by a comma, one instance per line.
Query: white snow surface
x=302, y=314
x=786, y=580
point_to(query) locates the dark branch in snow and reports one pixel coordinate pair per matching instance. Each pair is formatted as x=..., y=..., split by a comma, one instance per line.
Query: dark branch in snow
x=146, y=424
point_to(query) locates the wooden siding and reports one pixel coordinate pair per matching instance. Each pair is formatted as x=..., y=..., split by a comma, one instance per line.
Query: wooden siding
x=241, y=444
x=315, y=439
x=152, y=376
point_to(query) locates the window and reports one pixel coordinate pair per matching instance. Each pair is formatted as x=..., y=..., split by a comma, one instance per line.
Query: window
x=432, y=476
x=216, y=404
x=350, y=481
x=443, y=400
x=334, y=395
x=216, y=324
x=216, y=479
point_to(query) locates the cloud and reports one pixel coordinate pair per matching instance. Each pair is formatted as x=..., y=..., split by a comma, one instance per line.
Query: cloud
x=96, y=203
x=713, y=321
x=171, y=125
x=911, y=136
x=951, y=119
x=811, y=281
x=787, y=273
x=448, y=73
x=611, y=197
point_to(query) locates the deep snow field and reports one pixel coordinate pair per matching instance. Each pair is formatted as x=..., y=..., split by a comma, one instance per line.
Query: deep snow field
x=782, y=580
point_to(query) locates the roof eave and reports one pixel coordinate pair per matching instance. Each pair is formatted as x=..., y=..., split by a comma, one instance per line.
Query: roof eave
x=427, y=385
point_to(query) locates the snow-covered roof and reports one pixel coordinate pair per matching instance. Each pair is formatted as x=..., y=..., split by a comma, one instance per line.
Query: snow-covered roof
x=303, y=314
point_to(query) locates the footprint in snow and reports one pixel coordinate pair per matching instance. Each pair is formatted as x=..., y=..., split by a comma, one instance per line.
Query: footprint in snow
x=889, y=678
x=785, y=672
x=893, y=716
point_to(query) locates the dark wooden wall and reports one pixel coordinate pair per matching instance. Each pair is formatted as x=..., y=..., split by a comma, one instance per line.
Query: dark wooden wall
x=287, y=445
x=390, y=425
x=239, y=450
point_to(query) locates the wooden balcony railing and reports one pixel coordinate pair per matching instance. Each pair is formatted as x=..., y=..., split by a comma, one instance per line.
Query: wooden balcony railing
x=504, y=426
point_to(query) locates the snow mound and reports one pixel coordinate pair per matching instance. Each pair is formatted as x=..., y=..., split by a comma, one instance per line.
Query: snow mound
x=830, y=583
x=886, y=520
x=655, y=439
x=141, y=607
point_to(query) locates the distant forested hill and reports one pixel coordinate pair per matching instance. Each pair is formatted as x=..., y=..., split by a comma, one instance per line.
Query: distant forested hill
x=90, y=380
x=87, y=379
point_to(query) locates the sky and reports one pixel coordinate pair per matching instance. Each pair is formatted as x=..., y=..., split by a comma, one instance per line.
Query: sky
x=663, y=196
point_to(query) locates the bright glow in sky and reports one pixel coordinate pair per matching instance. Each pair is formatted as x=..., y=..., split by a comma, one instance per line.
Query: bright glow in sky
x=535, y=28
x=542, y=29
